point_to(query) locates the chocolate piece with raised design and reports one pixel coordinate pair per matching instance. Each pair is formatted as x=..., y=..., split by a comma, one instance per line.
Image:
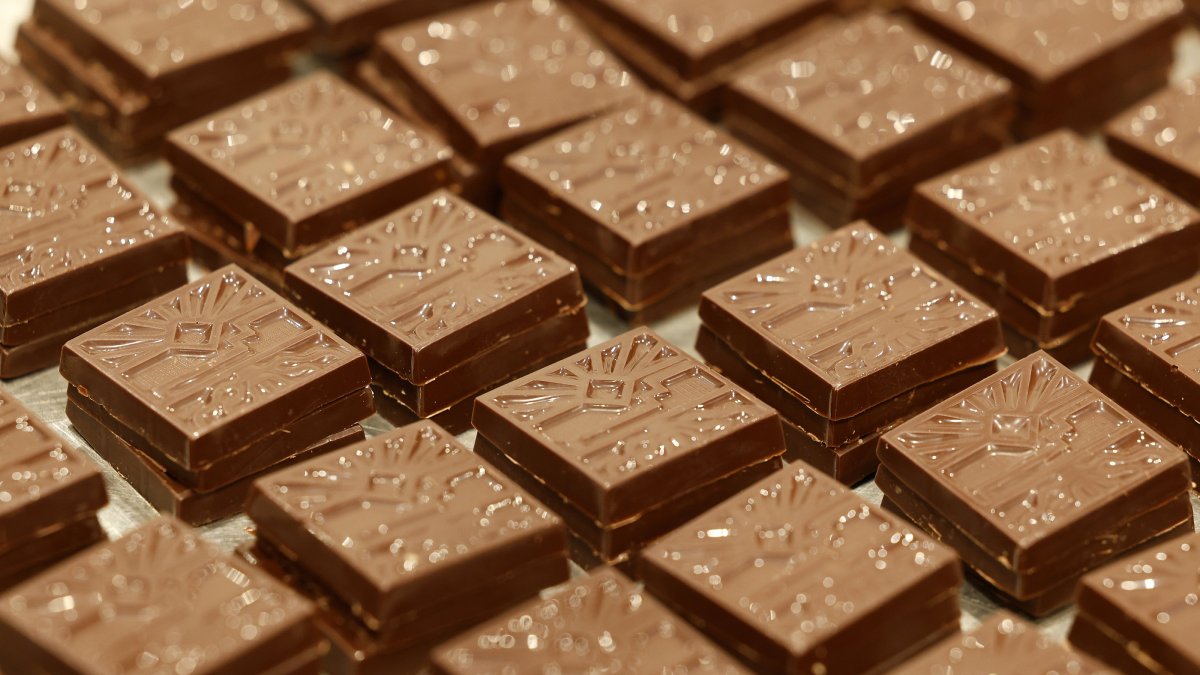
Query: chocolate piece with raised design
x=649, y=200
x=1073, y=63
x=159, y=599
x=76, y=230
x=585, y=626
x=692, y=48
x=1140, y=613
x=800, y=575
x=859, y=110
x=626, y=427
x=348, y=27
x=26, y=108
x=1159, y=137
x=131, y=70
x=1035, y=477
x=1054, y=225
x=483, y=76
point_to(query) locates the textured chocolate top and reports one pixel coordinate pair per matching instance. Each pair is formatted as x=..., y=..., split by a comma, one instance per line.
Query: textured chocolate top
x=158, y=600
x=1028, y=453
x=831, y=320
x=1046, y=38
x=1049, y=215
x=1005, y=643
x=605, y=425
x=431, y=279
x=601, y=623
x=865, y=84
x=494, y=67
x=1165, y=126
x=24, y=103
x=799, y=557
x=212, y=365
x=67, y=213
x=306, y=150
x=406, y=516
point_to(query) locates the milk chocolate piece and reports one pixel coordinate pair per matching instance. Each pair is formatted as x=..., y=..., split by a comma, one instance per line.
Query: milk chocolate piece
x=26, y=108
x=1120, y=385
x=1004, y=643
x=860, y=110
x=160, y=598
x=393, y=524
x=306, y=161
x=51, y=546
x=587, y=625
x=851, y=321
x=1157, y=137
x=692, y=48
x=1073, y=63
x=131, y=71
x=800, y=575
x=349, y=26
x=1037, y=471
x=1140, y=613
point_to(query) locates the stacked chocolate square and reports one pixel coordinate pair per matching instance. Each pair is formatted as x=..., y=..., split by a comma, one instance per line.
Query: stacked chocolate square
x=847, y=337
x=83, y=246
x=347, y=28
x=627, y=440
x=403, y=540
x=1053, y=234
x=1035, y=477
x=447, y=302
x=1157, y=136
x=192, y=395
x=26, y=108
x=860, y=110
x=653, y=203
x=129, y=72
x=266, y=181
x=1004, y=643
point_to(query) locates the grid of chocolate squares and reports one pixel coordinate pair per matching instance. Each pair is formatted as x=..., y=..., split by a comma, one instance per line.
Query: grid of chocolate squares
x=412, y=228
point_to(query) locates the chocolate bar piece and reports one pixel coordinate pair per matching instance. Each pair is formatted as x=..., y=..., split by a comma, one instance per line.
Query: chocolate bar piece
x=692, y=48
x=1004, y=643
x=403, y=527
x=349, y=27
x=306, y=162
x=160, y=598
x=1139, y=614
x=483, y=76
x=1156, y=137
x=1035, y=477
x=586, y=625
x=800, y=575
x=681, y=202
x=1054, y=224
x=860, y=110
x=1073, y=63
x=26, y=108
x=130, y=71
x=90, y=246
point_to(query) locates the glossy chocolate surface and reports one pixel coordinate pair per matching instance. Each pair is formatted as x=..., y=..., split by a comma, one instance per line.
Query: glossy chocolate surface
x=396, y=522
x=350, y=25
x=1053, y=218
x=214, y=365
x=1005, y=643
x=421, y=287
x=597, y=623
x=1159, y=137
x=26, y=108
x=160, y=599
x=626, y=425
x=850, y=321
x=307, y=160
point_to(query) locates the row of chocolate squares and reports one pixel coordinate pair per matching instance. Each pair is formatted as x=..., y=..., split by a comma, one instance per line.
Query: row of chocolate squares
x=368, y=557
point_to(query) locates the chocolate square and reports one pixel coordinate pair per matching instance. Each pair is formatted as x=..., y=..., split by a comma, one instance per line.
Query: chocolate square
x=1157, y=136
x=306, y=161
x=348, y=26
x=26, y=108
x=1003, y=643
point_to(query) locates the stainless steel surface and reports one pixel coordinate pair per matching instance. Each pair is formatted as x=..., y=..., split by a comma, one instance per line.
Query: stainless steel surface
x=45, y=392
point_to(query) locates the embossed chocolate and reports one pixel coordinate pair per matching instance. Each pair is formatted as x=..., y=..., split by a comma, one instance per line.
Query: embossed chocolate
x=800, y=575
x=160, y=599
x=1140, y=613
x=1158, y=136
x=1074, y=63
x=305, y=162
x=859, y=110
x=348, y=26
x=692, y=48
x=84, y=246
x=26, y=108
x=586, y=625
x=650, y=200
x=1053, y=225
x=135, y=69
x=1035, y=477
